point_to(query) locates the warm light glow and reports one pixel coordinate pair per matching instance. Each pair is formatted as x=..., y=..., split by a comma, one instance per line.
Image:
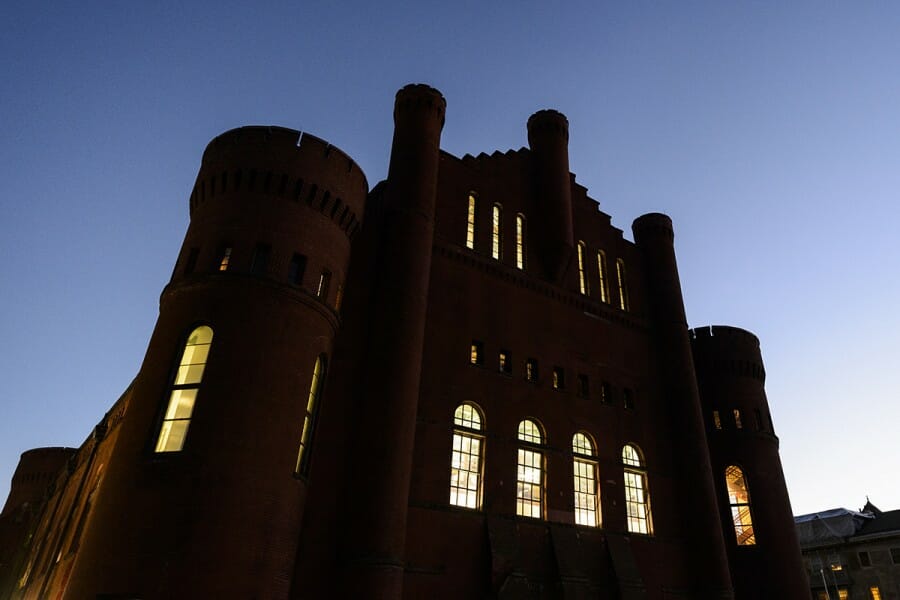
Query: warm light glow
x=226, y=258
x=875, y=592
x=496, y=247
x=470, y=224
x=739, y=498
x=582, y=280
x=309, y=420
x=737, y=419
x=637, y=498
x=585, y=479
x=717, y=421
x=183, y=395
x=623, y=286
x=601, y=270
x=465, y=460
x=530, y=472
x=520, y=242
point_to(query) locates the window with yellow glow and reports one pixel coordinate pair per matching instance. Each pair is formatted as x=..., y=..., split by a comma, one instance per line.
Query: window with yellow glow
x=530, y=472
x=470, y=224
x=737, y=418
x=496, y=237
x=183, y=393
x=582, y=279
x=637, y=497
x=585, y=479
x=623, y=284
x=466, y=458
x=875, y=592
x=601, y=271
x=520, y=242
x=717, y=420
x=309, y=419
x=739, y=498
x=224, y=258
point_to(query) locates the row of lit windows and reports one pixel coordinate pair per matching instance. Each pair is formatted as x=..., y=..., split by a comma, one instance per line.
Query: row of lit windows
x=584, y=283
x=737, y=419
x=259, y=263
x=467, y=461
x=843, y=593
x=557, y=375
x=185, y=386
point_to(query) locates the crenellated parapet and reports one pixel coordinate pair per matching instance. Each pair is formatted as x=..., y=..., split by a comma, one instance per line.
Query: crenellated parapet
x=727, y=350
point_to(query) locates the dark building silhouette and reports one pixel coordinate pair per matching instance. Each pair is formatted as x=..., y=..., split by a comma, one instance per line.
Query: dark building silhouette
x=462, y=383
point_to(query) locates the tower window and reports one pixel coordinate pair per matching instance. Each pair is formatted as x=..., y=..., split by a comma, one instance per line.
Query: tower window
x=296, y=269
x=505, y=362
x=606, y=394
x=601, y=271
x=558, y=378
x=191, y=262
x=637, y=497
x=476, y=353
x=628, y=399
x=183, y=392
x=531, y=369
x=583, y=385
x=497, y=233
x=470, y=223
x=260, y=259
x=585, y=480
x=466, y=458
x=324, y=281
x=737, y=418
x=520, y=242
x=717, y=421
x=864, y=560
x=530, y=471
x=309, y=419
x=875, y=592
x=623, y=284
x=224, y=258
x=582, y=279
x=739, y=499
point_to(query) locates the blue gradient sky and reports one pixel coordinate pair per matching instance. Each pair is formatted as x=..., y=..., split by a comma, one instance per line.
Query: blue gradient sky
x=770, y=134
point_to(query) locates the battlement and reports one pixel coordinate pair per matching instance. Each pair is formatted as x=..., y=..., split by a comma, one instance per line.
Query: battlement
x=652, y=225
x=548, y=120
x=418, y=96
x=725, y=349
x=726, y=334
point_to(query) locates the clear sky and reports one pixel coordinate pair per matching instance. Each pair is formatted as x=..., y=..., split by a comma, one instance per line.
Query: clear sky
x=768, y=131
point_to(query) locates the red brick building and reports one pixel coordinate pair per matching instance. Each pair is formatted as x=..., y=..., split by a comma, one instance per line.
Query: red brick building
x=462, y=383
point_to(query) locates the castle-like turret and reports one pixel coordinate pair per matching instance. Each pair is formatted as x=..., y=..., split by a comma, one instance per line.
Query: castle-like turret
x=208, y=475
x=755, y=509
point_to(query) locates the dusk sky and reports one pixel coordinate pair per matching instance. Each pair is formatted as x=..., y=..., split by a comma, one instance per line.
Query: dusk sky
x=768, y=131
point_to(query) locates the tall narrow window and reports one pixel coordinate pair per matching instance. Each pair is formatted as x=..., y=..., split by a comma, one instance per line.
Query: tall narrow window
x=224, y=258
x=637, y=497
x=739, y=498
x=260, y=259
x=520, y=242
x=558, y=378
x=737, y=418
x=531, y=369
x=476, y=353
x=465, y=461
x=582, y=279
x=623, y=284
x=505, y=362
x=717, y=420
x=324, y=281
x=875, y=592
x=296, y=269
x=496, y=233
x=470, y=224
x=530, y=471
x=191, y=263
x=309, y=420
x=601, y=271
x=183, y=393
x=585, y=471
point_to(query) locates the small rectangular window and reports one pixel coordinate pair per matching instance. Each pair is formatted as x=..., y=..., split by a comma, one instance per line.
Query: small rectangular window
x=864, y=560
x=296, y=269
x=476, y=353
x=559, y=378
x=322, y=288
x=717, y=421
x=737, y=419
x=260, y=259
x=606, y=394
x=627, y=398
x=505, y=362
x=583, y=385
x=223, y=258
x=338, y=297
x=875, y=592
x=759, y=419
x=531, y=369
x=895, y=556
x=191, y=262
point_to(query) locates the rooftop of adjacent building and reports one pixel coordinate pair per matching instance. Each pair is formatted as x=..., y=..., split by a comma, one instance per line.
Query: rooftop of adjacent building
x=838, y=525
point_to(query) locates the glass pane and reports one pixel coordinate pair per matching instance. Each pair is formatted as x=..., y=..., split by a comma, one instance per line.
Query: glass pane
x=181, y=404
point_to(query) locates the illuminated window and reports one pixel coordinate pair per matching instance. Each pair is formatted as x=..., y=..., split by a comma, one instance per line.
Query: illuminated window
x=623, y=284
x=309, y=421
x=520, y=242
x=585, y=472
x=465, y=461
x=531, y=369
x=844, y=594
x=184, y=390
x=260, y=259
x=530, y=472
x=505, y=362
x=739, y=498
x=476, y=353
x=717, y=421
x=637, y=497
x=737, y=418
x=875, y=592
x=470, y=224
x=496, y=233
x=296, y=269
x=582, y=280
x=558, y=379
x=224, y=258
x=864, y=560
x=601, y=270
x=324, y=281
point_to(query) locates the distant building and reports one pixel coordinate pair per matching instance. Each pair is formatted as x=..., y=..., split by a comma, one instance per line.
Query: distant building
x=852, y=555
x=462, y=383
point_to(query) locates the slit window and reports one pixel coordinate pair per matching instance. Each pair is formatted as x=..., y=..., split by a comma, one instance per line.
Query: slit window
x=637, y=497
x=191, y=263
x=585, y=481
x=601, y=271
x=530, y=471
x=224, y=258
x=260, y=259
x=717, y=420
x=466, y=458
x=582, y=279
x=558, y=380
x=739, y=499
x=606, y=393
x=583, y=385
x=496, y=233
x=470, y=224
x=184, y=389
x=322, y=287
x=296, y=269
x=476, y=353
x=505, y=362
x=737, y=418
x=531, y=369
x=520, y=242
x=309, y=419
x=623, y=284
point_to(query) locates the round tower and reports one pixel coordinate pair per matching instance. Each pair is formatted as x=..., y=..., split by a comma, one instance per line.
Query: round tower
x=654, y=236
x=548, y=139
x=387, y=398
x=755, y=509
x=37, y=468
x=204, y=491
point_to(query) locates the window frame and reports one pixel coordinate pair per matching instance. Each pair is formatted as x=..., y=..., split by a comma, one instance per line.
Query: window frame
x=638, y=513
x=497, y=231
x=531, y=460
x=470, y=221
x=311, y=416
x=602, y=273
x=585, y=470
x=741, y=509
x=621, y=277
x=464, y=436
x=520, y=242
x=583, y=284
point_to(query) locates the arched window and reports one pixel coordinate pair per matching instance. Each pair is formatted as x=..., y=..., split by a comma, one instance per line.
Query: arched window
x=585, y=469
x=309, y=420
x=739, y=498
x=530, y=471
x=601, y=270
x=623, y=285
x=466, y=460
x=183, y=393
x=470, y=223
x=582, y=278
x=520, y=242
x=637, y=497
x=496, y=232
